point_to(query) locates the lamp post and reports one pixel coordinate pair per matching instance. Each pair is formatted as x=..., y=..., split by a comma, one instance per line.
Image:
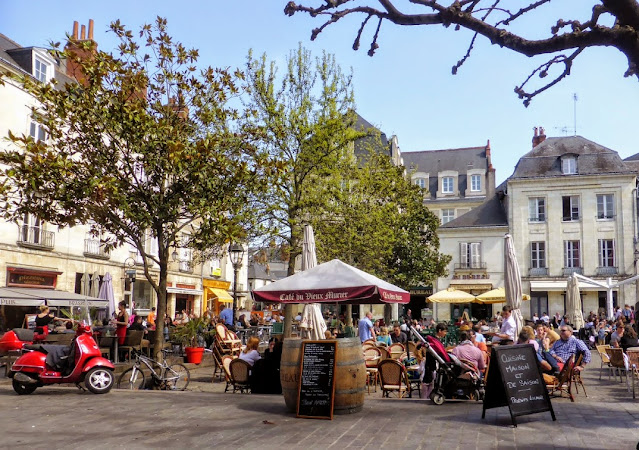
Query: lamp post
x=236, y=254
x=130, y=272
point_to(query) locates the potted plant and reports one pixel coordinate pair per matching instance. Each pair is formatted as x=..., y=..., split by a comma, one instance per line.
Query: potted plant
x=191, y=335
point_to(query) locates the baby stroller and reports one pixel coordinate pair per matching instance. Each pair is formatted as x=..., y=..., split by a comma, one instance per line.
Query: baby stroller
x=457, y=379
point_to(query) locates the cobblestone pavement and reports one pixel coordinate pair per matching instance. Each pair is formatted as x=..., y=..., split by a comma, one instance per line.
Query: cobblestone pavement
x=205, y=416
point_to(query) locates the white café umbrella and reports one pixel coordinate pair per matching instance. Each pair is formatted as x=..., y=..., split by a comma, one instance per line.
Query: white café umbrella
x=312, y=324
x=84, y=284
x=573, y=303
x=512, y=283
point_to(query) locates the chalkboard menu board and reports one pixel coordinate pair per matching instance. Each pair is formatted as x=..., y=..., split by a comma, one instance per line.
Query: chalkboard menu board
x=316, y=387
x=515, y=380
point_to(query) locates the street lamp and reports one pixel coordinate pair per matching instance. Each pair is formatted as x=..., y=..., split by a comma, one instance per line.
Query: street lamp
x=130, y=272
x=236, y=254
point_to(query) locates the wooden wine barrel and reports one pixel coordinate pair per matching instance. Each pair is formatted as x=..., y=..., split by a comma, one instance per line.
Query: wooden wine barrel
x=350, y=374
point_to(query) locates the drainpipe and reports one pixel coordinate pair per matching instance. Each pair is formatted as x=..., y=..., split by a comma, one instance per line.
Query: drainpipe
x=635, y=249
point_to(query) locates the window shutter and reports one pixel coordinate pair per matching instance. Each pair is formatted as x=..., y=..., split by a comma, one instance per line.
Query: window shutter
x=475, y=250
x=463, y=254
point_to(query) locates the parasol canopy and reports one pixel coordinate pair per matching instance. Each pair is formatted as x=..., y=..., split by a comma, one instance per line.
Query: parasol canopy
x=452, y=295
x=496, y=296
x=331, y=282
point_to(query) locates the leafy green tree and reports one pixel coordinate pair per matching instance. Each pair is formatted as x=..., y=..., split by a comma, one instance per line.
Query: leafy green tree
x=306, y=117
x=145, y=144
x=379, y=223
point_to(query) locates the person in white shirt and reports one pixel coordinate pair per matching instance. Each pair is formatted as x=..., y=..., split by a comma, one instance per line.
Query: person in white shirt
x=250, y=353
x=545, y=317
x=506, y=334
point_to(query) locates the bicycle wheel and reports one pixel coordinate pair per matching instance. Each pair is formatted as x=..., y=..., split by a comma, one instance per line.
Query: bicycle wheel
x=177, y=377
x=132, y=379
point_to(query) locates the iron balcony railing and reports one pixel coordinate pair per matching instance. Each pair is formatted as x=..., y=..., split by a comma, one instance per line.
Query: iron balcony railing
x=538, y=271
x=470, y=265
x=94, y=249
x=604, y=271
x=35, y=237
x=570, y=270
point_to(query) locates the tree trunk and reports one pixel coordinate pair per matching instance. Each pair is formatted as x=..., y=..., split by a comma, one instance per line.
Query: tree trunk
x=158, y=342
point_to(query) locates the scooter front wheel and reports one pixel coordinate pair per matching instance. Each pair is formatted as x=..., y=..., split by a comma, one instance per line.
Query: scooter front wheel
x=99, y=380
x=23, y=388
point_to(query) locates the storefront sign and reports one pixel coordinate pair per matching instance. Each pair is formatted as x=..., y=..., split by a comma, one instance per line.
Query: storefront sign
x=18, y=277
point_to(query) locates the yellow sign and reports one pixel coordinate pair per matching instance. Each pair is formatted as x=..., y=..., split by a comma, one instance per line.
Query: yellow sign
x=217, y=272
x=217, y=284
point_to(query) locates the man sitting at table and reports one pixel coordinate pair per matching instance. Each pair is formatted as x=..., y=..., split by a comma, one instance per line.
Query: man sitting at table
x=569, y=345
x=467, y=351
x=398, y=336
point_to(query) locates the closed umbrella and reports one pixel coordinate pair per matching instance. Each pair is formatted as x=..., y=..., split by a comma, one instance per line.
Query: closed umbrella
x=573, y=303
x=512, y=283
x=84, y=284
x=106, y=292
x=312, y=324
x=95, y=285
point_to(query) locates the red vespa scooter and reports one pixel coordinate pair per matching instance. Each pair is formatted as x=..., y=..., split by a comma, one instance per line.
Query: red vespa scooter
x=60, y=364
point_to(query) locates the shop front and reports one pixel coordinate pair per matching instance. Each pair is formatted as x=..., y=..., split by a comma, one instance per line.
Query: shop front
x=184, y=297
x=474, y=311
x=216, y=294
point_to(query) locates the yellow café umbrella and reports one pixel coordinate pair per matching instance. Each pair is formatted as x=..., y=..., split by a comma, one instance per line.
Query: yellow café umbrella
x=452, y=295
x=496, y=296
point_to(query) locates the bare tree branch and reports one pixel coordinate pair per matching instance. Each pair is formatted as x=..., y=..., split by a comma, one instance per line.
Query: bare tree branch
x=489, y=19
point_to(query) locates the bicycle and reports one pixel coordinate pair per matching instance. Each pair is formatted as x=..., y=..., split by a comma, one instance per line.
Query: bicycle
x=175, y=377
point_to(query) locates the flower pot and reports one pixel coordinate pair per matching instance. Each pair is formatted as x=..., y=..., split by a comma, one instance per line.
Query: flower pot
x=194, y=354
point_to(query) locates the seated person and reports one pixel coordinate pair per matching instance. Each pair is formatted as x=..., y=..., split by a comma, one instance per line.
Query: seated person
x=250, y=353
x=628, y=338
x=137, y=326
x=265, y=374
x=547, y=361
x=567, y=346
x=384, y=337
x=467, y=351
x=398, y=336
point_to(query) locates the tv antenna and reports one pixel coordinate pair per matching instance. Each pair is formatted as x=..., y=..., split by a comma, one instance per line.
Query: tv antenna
x=565, y=130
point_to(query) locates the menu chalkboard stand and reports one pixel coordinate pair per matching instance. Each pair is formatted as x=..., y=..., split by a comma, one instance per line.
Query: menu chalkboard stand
x=316, y=388
x=518, y=384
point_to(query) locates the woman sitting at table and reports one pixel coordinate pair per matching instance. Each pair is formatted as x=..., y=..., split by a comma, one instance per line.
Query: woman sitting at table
x=629, y=338
x=384, y=336
x=250, y=353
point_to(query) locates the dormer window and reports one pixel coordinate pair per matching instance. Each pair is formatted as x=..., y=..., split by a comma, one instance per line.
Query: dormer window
x=421, y=182
x=447, y=185
x=569, y=165
x=40, y=70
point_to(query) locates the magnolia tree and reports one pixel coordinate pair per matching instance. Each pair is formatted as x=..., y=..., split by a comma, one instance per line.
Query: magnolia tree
x=594, y=23
x=145, y=146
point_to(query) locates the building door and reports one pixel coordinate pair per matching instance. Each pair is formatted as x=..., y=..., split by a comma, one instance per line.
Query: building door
x=603, y=298
x=538, y=303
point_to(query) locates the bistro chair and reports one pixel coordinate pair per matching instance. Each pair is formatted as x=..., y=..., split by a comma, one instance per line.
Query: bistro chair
x=633, y=364
x=394, y=378
x=562, y=383
x=395, y=350
x=605, y=359
x=226, y=363
x=383, y=353
x=104, y=344
x=228, y=342
x=618, y=364
x=132, y=341
x=372, y=357
x=412, y=348
x=240, y=370
x=576, y=377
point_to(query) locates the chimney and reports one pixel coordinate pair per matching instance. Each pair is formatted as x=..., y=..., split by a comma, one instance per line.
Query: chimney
x=535, y=139
x=542, y=135
x=74, y=69
x=490, y=173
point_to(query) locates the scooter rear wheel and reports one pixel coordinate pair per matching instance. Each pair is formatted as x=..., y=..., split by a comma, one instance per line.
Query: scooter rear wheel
x=99, y=380
x=23, y=388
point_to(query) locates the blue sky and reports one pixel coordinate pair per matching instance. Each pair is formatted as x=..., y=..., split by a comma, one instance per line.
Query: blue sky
x=406, y=89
